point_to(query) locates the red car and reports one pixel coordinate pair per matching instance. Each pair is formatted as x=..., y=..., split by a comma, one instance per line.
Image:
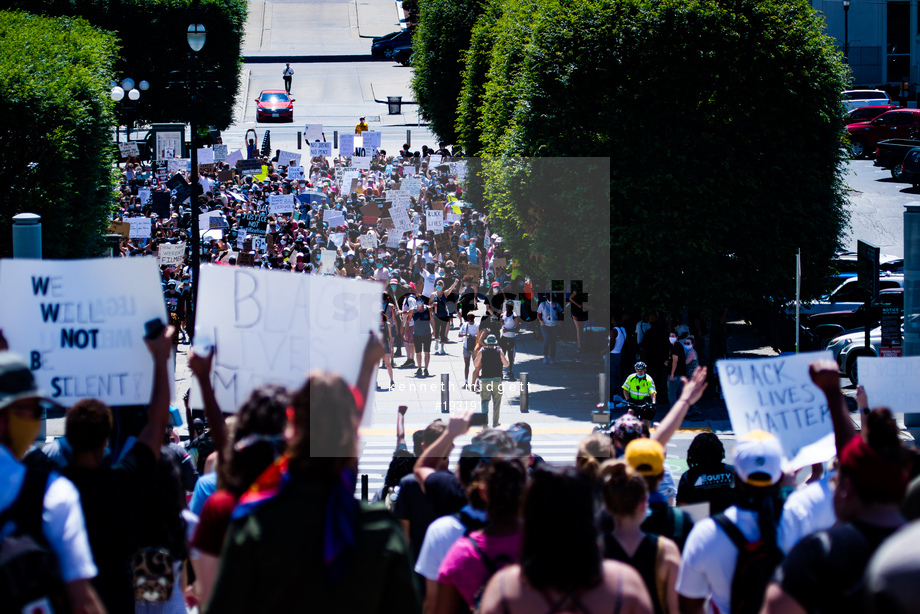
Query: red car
x=274, y=105
x=866, y=114
x=899, y=124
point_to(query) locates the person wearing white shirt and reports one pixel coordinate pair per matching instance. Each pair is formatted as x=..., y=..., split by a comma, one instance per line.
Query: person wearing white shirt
x=548, y=313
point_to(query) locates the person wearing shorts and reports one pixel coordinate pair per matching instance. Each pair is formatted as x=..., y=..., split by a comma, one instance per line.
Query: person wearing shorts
x=468, y=331
x=421, y=337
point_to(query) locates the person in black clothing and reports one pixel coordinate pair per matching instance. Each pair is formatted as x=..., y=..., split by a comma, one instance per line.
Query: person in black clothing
x=421, y=337
x=677, y=368
x=655, y=557
x=824, y=571
x=467, y=300
x=487, y=366
x=708, y=478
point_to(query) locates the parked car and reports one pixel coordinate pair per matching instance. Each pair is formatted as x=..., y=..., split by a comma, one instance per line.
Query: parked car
x=865, y=114
x=383, y=46
x=825, y=326
x=402, y=55
x=848, y=296
x=850, y=346
x=899, y=124
x=853, y=99
x=845, y=263
x=890, y=154
x=910, y=167
x=274, y=104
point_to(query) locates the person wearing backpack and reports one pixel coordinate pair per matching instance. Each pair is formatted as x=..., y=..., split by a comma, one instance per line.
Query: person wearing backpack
x=655, y=557
x=476, y=557
x=731, y=557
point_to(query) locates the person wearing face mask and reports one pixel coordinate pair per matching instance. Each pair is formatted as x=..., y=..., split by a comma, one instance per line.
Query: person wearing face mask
x=510, y=328
x=441, y=315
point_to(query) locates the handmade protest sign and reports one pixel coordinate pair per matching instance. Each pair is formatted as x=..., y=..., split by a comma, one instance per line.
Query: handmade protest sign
x=246, y=259
x=892, y=382
x=170, y=254
x=470, y=269
x=80, y=325
x=435, y=220
x=140, y=227
x=386, y=223
x=128, y=149
x=312, y=132
x=348, y=181
x=498, y=265
x=278, y=329
x=204, y=221
x=777, y=395
x=370, y=210
x=393, y=240
x=487, y=241
x=361, y=162
x=220, y=152
x=337, y=239
x=413, y=185
x=224, y=176
x=174, y=165
x=249, y=167
x=295, y=172
x=205, y=155
x=371, y=139
x=281, y=203
x=442, y=242
x=347, y=144
x=233, y=158
x=285, y=157
x=450, y=218
x=399, y=197
x=327, y=262
x=254, y=223
x=334, y=218
x=218, y=221
x=318, y=149
x=259, y=244
x=401, y=220
x=434, y=160
x=144, y=195
x=368, y=241
x=120, y=228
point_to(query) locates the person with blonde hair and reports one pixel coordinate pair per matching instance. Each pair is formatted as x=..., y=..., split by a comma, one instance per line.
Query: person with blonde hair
x=655, y=557
x=592, y=451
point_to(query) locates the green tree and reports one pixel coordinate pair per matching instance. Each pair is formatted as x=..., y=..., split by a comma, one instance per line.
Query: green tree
x=152, y=36
x=55, y=130
x=438, y=42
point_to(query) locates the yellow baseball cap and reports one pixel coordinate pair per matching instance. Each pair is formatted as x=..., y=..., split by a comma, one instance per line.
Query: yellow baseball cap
x=646, y=456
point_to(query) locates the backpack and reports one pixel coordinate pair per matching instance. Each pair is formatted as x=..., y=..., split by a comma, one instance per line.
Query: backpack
x=203, y=445
x=757, y=561
x=492, y=566
x=30, y=578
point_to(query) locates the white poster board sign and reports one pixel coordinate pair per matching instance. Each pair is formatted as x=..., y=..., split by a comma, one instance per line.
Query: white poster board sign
x=347, y=144
x=204, y=221
x=334, y=218
x=361, y=162
x=174, y=165
x=259, y=244
x=401, y=220
x=891, y=382
x=220, y=152
x=327, y=262
x=234, y=157
x=296, y=172
x=140, y=227
x=399, y=197
x=128, y=149
x=312, y=132
x=368, y=241
x=171, y=254
x=346, y=179
x=285, y=157
x=371, y=139
x=205, y=155
x=80, y=325
x=281, y=203
x=434, y=160
x=777, y=395
x=278, y=329
x=434, y=219
x=320, y=149
x=393, y=240
x=412, y=185
x=144, y=195
x=452, y=217
x=337, y=239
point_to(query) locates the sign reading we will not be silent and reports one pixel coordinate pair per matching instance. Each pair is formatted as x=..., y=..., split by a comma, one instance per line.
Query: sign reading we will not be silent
x=777, y=395
x=277, y=329
x=80, y=325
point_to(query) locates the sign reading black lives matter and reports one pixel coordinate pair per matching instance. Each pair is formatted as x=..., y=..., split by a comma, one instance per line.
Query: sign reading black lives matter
x=80, y=325
x=777, y=395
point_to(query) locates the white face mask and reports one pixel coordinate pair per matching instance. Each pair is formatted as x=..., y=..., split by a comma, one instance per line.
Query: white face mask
x=672, y=339
x=688, y=344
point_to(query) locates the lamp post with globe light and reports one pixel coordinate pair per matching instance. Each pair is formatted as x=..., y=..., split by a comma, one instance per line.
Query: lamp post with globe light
x=195, y=36
x=126, y=86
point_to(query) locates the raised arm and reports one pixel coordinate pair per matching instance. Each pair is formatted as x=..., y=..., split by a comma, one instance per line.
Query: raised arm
x=401, y=425
x=693, y=390
x=431, y=457
x=826, y=376
x=158, y=413
x=201, y=368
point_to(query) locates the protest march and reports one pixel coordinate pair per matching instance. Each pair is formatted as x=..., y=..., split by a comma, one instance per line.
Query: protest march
x=317, y=272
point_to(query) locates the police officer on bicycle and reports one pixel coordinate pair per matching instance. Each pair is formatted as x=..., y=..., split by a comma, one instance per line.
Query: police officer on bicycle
x=639, y=387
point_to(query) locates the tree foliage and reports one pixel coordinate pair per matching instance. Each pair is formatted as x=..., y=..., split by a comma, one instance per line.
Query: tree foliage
x=152, y=36
x=55, y=139
x=720, y=119
x=438, y=43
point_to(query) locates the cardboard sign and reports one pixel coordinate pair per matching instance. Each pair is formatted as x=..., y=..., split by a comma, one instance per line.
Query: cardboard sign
x=205, y=155
x=361, y=162
x=120, y=228
x=140, y=227
x=437, y=205
x=246, y=259
x=219, y=152
x=499, y=264
x=171, y=255
x=320, y=149
x=435, y=221
x=312, y=132
x=281, y=203
x=285, y=157
x=280, y=327
x=225, y=176
x=334, y=218
x=327, y=262
x=371, y=138
x=295, y=173
x=777, y=395
x=442, y=243
x=370, y=210
x=234, y=157
x=128, y=150
x=470, y=269
x=249, y=167
x=891, y=382
x=80, y=325
x=346, y=144
x=254, y=223
x=386, y=223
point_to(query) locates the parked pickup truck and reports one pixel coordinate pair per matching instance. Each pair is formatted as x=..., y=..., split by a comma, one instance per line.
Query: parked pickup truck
x=890, y=154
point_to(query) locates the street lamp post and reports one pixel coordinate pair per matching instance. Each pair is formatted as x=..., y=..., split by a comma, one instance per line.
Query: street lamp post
x=196, y=36
x=127, y=87
x=846, y=31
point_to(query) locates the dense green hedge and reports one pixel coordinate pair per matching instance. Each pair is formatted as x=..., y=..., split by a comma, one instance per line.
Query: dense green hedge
x=153, y=45
x=55, y=130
